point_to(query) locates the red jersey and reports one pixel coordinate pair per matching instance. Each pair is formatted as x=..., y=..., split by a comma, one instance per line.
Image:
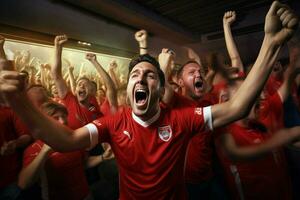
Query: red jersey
x=64, y=173
x=198, y=166
x=151, y=154
x=11, y=128
x=263, y=178
x=271, y=112
x=79, y=115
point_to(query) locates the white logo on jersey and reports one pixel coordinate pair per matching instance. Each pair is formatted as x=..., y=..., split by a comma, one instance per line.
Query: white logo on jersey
x=97, y=123
x=165, y=133
x=127, y=134
x=198, y=111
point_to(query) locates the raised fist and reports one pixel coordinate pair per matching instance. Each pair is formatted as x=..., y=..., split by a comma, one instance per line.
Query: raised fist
x=141, y=35
x=60, y=40
x=165, y=58
x=91, y=57
x=113, y=65
x=280, y=23
x=229, y=17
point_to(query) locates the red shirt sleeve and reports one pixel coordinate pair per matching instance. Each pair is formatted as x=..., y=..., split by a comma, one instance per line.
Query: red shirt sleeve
x=31, y=152
x=196, y=119
x=20, y=128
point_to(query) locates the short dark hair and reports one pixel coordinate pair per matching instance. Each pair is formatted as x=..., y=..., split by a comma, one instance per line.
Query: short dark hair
x=151, y=60
x=51, y=107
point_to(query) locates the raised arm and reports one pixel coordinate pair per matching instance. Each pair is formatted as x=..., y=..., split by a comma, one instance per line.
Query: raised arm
x=111, y=71
x=141, y=38
x=228, y=19
x=72, y=78
x=290, y=74
x=31, y=173
x=280, y=23
x=56, y=69
x=280, y=138
x=165, y=59
x=111, y=92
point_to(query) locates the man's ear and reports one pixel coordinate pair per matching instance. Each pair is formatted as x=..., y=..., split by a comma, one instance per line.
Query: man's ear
x=180, y=82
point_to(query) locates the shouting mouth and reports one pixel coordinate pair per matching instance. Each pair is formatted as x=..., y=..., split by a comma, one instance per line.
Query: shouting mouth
x=141, y=97
x=198, y=85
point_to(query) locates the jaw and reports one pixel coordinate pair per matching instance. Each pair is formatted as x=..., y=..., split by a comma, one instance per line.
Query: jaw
x=141, y=101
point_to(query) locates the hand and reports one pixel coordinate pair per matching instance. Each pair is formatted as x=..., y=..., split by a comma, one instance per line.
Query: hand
x=141, y=35
x=280, y=23
x=108, y=153
x=91, y=57
x=11, y=82
x=113, y=65
x=8, y=148
x=165, y=58
x=60, y=40
x=229, y=17
x=71, y=68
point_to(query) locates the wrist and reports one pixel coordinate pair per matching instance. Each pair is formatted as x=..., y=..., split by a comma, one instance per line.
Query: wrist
x=143, y=45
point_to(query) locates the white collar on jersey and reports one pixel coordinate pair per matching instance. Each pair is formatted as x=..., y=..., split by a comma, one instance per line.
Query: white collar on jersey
x=148, y=122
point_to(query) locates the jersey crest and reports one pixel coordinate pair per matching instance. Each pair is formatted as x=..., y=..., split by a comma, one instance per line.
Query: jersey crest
x=165, y=133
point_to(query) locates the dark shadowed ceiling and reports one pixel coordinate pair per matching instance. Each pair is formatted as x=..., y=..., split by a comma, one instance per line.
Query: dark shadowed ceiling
x=184, y=21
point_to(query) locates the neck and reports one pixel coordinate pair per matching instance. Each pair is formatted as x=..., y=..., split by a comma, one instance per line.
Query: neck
x=146, y=121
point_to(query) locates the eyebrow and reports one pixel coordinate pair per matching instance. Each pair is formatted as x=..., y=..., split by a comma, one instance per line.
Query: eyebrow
x=146, y=71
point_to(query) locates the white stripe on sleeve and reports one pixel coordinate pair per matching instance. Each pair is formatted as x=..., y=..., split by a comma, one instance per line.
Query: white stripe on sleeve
x=93, y=131
x=208, y=117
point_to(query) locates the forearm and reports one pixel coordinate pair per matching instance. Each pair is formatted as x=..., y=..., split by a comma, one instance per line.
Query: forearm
x=93, y=161
x=111, y=92
x=256, y=79
x=231, y=47
x=42, y=127
x=30, y=174
x=56, y=68
x=114, y=78
x=72, y=81
x=56, y=74
x=143, y=47
x=279, y=139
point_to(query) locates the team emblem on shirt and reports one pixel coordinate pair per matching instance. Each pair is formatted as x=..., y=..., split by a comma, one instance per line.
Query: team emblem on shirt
x=97, y=123
x=165, y=133
x=198, y=111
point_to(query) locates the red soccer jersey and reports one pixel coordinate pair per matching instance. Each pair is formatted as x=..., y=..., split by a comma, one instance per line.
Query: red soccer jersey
x=151, y=154
x=10, y=129
x=198, y=165
x=65, y=177
x=263, y=178
x=79, y=115
x=271, y=113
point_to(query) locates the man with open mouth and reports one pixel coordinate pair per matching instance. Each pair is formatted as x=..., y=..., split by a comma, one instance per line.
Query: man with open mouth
x=149, y=140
